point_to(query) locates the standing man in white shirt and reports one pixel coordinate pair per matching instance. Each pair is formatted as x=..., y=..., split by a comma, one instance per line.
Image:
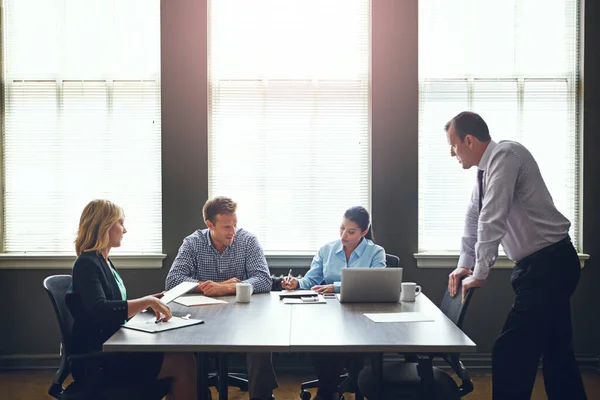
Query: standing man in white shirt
x=512, y=206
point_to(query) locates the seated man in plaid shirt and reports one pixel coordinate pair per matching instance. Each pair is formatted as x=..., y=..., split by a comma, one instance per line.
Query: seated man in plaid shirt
x=218, y=258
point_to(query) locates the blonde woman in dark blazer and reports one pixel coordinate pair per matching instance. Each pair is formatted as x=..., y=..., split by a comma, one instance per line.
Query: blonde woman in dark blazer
x=98, y=302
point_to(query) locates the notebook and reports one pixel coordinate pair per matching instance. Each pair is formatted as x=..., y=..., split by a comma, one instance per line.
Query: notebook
x=145, y=322
x=177, y=291
x=296, y=294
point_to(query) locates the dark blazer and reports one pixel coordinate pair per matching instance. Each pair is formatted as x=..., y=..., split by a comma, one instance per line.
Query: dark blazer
x=95, y=302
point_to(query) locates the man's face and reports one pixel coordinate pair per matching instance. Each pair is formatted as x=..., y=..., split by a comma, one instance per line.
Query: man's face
x=461, y=150
x=223, y=230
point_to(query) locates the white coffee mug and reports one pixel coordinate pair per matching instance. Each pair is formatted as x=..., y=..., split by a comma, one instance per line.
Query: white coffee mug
x=243, y=292
x=410, y=291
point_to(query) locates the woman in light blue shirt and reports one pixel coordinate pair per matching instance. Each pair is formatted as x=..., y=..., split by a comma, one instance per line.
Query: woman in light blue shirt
x=354, y=249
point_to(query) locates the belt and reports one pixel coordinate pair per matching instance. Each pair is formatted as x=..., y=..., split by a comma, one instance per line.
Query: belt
x=566, y=242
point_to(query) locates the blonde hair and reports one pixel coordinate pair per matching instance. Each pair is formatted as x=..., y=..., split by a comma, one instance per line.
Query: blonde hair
x=216, y=206
x=96, y=220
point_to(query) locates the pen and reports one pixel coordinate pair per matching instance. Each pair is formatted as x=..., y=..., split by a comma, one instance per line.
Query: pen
x=157, y=321
x=287, y=280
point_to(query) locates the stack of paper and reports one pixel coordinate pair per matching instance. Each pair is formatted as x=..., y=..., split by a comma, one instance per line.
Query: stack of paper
x=305, y=300
x=197, y=300
x=399, y=317
x=291, y=294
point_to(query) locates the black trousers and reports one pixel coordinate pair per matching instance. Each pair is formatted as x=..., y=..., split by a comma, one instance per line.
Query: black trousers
x=329, y=366
x=539, y=325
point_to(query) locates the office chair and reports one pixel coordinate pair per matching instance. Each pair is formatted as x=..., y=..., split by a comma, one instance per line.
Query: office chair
x=56, y=286
x=233, y=379
x=392, y=260
x=347, y=383
x=402, y=379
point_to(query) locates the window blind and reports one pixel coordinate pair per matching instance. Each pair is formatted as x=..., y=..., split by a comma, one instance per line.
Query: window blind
x=289, y=133
x=81, y=120
x=514, y=62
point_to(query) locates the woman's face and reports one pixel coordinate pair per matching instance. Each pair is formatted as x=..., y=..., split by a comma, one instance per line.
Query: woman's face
x=116, y=232
x=351, y=234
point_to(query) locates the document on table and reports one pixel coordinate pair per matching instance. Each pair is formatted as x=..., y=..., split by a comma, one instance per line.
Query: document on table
x=399, y=317
x=177, y=291
x=197, y=300
x=146, y=322
x=285, y=294
x=306, y=300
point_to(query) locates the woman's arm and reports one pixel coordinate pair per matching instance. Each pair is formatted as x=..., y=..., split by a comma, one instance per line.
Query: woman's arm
x=378, y=260
x=314, y=276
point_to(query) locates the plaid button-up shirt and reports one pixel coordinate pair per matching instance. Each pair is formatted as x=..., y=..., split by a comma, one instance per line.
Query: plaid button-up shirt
x=198, y=260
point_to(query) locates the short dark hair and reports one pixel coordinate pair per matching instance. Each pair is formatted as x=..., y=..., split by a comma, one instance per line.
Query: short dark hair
x=216, y=206
x=360, y=216
x=469, y=123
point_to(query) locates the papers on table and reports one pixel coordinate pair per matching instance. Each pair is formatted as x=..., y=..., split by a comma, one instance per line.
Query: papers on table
x=146, y=322
x=178, y=290
x=399, y=317
x=305, y=300
x=284, y=294
x=197, y=300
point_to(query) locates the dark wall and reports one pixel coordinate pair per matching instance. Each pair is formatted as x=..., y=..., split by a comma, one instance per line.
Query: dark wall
x=28, y=322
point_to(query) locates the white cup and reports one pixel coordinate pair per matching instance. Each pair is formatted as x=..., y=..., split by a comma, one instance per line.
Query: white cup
x=410, y=291
x=243, y=292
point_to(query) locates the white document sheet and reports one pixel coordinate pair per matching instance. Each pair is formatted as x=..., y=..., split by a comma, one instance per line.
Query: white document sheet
x=197, y=300
x=399, y=317
x=178, y=290
x=146, y=322
x=310, y=300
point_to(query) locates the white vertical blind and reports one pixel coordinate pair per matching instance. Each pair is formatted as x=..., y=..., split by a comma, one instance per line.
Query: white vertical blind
x=289, y=134
x=515, y=62
x=82, y=120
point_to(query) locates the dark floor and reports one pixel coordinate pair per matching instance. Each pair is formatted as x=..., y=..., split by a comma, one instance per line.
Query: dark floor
x=33, y=384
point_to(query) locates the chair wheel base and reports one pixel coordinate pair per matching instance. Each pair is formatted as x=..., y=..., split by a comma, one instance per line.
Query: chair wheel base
x=305, y=395
x=56, y=390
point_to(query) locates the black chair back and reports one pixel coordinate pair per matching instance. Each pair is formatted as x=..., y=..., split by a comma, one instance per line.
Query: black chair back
x=56, y=286
x=392, y=260
x=455, y=310
x=453, y=307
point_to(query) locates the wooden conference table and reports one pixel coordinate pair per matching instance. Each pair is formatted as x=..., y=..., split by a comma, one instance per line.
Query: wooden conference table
x=266, y=324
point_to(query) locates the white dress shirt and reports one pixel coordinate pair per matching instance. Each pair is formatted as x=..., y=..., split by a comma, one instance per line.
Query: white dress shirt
x=517, y=211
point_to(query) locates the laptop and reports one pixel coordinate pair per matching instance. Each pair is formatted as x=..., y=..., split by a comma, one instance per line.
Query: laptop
x=371, y=285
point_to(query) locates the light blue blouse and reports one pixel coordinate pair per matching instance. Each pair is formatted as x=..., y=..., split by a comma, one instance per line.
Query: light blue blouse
x=327, y=264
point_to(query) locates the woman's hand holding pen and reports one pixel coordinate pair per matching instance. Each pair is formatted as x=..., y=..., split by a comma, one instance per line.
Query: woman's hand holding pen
x=289, y=282
x=158, y=307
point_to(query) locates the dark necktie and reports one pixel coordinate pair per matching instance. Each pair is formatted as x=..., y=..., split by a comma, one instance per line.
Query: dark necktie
x=480, y=182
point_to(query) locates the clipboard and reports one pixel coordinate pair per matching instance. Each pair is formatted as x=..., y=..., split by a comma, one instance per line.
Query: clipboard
x=145, y=322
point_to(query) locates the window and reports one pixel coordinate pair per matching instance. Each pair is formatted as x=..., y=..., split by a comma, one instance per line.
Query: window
x=289, y=133
x=515, y=62
x=81, y=120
